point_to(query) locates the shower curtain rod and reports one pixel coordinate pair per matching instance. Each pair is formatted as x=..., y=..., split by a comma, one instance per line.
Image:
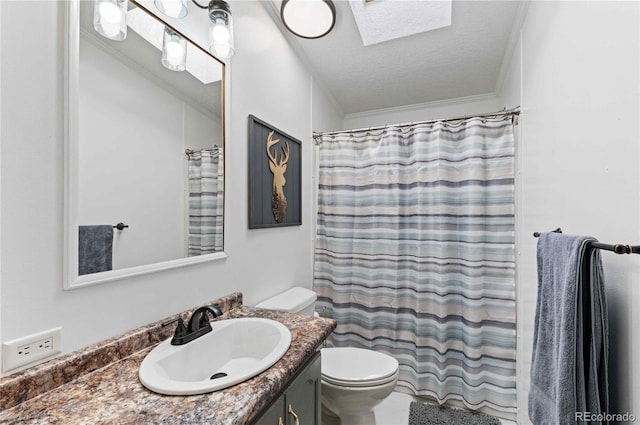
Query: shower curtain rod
x=514, y=112
x=190, y=151
x=617, y=248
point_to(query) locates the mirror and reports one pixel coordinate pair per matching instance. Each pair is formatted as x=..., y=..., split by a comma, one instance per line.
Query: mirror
x=144, y=165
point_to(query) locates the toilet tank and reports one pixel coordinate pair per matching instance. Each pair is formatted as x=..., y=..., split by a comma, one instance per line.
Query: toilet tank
x=295, y=300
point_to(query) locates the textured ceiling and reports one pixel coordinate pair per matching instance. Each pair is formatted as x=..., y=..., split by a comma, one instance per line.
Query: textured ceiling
x=463, y=59
x=377, y=21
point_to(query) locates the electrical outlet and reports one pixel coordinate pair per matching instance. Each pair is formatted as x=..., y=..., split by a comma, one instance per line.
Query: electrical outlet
x=35, y=348
x=31, y=349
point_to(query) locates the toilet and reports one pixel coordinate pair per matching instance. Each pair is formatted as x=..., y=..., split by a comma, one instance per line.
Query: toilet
x=354, y=380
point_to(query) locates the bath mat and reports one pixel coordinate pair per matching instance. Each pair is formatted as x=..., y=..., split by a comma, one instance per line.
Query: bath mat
x=432, y=414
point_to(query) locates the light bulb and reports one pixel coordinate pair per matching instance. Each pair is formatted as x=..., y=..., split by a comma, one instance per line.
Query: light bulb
x=110, y=13
x=109, y=18
x=220, y=32
x=172, y=8
x=111, y=29
x=174, y=52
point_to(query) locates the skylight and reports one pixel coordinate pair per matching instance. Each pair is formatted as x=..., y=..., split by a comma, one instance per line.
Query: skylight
x=383, y=20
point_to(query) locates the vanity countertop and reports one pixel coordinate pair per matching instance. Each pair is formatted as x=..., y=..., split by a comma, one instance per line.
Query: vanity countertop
x=113, y=393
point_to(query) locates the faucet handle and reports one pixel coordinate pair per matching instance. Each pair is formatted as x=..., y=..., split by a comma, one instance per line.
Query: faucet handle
x=181, y=329
x=168, y=322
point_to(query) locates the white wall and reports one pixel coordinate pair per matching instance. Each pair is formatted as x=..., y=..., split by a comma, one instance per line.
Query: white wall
x=326, y=114
x=576, y=74
x=266, y=80
x=425, y=111
x=198, y=129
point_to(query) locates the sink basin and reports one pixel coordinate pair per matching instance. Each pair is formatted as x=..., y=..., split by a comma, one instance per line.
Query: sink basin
x=234, y=351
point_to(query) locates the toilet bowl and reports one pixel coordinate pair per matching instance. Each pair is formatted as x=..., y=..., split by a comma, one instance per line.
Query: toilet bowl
x=354, y=380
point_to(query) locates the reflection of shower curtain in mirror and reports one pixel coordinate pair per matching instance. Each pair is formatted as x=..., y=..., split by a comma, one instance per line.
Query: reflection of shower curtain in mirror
x=206, y=191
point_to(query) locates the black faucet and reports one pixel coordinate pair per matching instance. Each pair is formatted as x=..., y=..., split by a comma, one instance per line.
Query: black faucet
x=198, y=325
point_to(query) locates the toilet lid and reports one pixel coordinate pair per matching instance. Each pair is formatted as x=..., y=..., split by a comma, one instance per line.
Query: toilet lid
x=349, y=366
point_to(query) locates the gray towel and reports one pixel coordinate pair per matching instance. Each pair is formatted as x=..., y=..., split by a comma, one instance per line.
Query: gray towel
x=568, y=368
x=95, y=249
x=596, y=339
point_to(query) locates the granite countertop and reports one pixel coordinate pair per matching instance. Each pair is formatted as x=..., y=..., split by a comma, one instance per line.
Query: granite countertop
x=113, y=393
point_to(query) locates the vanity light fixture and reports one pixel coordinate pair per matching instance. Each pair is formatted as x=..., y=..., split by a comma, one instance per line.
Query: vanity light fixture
x=110, y=18
x=172, y=8
x=220, y=29
x=174, y=50
x=308, y=18
x=220, y=26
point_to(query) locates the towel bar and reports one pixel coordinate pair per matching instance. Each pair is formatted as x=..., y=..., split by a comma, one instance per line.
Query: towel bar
x=617, y=248
x=120, y=226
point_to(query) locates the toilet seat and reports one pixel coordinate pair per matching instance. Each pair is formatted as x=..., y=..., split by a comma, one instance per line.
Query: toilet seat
x=357, y=367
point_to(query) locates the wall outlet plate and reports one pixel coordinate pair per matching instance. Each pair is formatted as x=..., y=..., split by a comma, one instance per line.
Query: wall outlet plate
x=31, y=349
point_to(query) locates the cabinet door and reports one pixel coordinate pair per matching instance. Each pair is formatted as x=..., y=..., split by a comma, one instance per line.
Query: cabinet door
x=274, y=415
x=303, y=398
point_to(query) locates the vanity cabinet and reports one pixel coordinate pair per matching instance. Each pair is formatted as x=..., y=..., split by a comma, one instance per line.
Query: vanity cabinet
x=300, y=401
x=274, y=414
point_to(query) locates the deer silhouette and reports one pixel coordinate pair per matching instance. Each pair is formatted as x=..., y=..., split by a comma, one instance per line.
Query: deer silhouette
x=278, y=199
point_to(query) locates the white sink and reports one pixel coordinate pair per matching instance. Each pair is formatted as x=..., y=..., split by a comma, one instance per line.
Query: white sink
x=234, y=351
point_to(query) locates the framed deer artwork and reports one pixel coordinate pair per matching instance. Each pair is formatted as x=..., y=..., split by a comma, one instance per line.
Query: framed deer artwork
x=275, y=181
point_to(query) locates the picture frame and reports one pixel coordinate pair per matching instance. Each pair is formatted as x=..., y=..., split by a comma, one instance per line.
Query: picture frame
x=275, y=176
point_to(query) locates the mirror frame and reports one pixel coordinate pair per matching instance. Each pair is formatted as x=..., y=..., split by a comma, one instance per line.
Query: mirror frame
x=71, y=278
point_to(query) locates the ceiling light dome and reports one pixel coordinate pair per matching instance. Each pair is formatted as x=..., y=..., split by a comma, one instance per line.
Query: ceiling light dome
x=308, y=18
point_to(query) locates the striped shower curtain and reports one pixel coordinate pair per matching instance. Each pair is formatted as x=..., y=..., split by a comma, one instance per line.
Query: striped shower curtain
x=415, y=254
x=206, y=201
